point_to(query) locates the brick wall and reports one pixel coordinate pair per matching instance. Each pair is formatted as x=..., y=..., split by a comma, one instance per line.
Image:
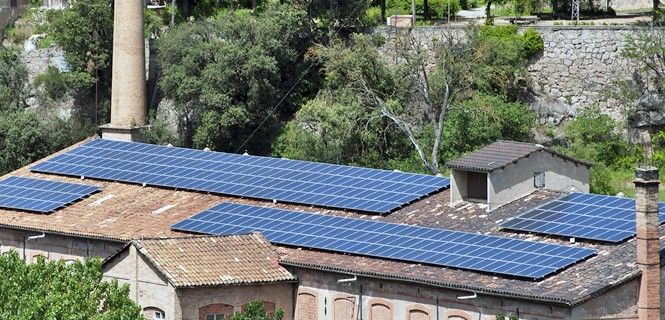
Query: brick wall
x=191, y=300
x=319, y=297
x=55, y=247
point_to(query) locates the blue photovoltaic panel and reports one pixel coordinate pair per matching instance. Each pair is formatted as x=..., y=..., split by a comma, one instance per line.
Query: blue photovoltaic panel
x=582, y=215
x=441, y=247
x=293, y=181
x=40, y=195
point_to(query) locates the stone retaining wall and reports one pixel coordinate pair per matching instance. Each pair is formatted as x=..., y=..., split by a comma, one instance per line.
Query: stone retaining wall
x=577, y=68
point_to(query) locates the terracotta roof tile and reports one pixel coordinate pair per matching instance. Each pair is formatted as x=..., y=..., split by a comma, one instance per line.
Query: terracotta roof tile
x=211, y=261
x=125, y=212
x=501, y=153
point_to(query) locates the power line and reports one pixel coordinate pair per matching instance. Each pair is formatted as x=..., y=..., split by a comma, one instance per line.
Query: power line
x=302, y=75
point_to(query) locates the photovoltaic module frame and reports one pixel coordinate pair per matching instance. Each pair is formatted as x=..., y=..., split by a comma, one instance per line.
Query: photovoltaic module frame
x=39, y=195
x=478, y=252
x=292, y=181
x=582, y=215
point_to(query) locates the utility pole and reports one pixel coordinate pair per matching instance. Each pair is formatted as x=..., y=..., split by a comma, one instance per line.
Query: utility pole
x=576, y=11
x=413, y=13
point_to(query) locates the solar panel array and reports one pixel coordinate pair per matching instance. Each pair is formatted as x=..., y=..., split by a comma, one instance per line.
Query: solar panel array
x=302, y=182
x=40, y=195
x=582, y=215
x=441, y=247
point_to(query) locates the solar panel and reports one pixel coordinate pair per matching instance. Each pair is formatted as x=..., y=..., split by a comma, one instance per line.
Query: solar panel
x=302, y=182
x=40, y=195
x=582, y=215
x=441, y=247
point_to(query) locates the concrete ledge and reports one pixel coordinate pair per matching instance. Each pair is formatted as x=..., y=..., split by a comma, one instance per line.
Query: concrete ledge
x=122, y=133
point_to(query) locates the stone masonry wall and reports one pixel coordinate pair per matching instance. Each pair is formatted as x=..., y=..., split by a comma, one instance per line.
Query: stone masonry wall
x=577, y=68
x=630, y=4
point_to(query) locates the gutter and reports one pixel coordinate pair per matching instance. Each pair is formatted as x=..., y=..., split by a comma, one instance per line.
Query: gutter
x=492, y=292
x=497, y=293
x=64, y=233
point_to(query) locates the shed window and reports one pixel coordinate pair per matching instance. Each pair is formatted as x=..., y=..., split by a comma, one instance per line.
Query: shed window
x=539, y=179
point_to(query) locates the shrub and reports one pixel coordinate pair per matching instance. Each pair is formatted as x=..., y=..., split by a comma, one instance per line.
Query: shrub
x=373, y=16
x=533, y=42
x=438, y=8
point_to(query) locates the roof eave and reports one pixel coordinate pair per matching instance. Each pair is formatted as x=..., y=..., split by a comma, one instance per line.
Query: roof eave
x=386, y=276
x=236, y=284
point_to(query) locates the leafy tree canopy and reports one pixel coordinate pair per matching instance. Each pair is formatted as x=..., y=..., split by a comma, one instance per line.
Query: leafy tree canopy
x=255, y=310
x=418, y=108
x=57, y=290
x=84, y=31
x=226, y=74
x=13, y=80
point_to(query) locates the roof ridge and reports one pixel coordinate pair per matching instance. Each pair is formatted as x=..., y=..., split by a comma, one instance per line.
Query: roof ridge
x=198, y=236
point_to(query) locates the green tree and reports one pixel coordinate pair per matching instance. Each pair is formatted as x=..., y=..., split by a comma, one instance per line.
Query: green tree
x=484, y=119
x=13, y=80
x=255, y=310
x=647, y=49
x=596, y=137
x=413, y=96
x=57, y=290
x=233, y=71
x=338, y=129
x=500, y=59
x=85, y=32
x=26, y=136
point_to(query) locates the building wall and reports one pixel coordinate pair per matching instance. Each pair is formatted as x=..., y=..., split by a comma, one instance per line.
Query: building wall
x=321, y=297
x=458, y=183
x=189, y=301
x=55, y=247
x=147, y=286
x=517, y=180
x=617, y=304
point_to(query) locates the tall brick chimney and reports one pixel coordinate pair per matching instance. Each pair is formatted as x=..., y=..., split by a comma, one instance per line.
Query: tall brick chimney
x=128, y=88
x=648, y=242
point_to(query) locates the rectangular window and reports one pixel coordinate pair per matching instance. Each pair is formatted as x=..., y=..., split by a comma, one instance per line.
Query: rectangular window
x=159, y=315
x=539, y=179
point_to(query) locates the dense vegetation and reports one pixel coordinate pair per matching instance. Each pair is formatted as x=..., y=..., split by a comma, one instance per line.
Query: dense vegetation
x=403, y=114
x=61, y=290
x=301, y=80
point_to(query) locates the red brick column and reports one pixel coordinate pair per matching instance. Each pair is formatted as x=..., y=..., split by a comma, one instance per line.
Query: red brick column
x=648, y=242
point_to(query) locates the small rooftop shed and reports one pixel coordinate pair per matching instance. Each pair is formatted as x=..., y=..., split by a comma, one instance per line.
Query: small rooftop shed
x=507, y=170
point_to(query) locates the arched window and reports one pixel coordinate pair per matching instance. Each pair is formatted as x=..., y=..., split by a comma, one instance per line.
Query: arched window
x=419, y=312
x=380, y=309
x=153, y=313
x=307, y=307
x=457, y=315
x=216, y=311
x=344, y=308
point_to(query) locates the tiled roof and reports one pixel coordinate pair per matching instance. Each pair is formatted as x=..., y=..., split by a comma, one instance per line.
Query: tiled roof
x=500, y=154
x=614, y=264
x=211, y=261
x=124, y=212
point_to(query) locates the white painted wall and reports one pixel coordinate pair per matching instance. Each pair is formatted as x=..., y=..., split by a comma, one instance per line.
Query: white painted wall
x=516, y=180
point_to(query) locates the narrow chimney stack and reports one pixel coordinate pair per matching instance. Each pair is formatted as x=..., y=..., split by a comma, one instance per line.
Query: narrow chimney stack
x=648, y=242
x=128, y=87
